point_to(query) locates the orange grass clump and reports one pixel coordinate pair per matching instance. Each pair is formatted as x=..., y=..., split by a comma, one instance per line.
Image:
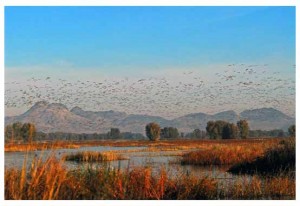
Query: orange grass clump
x=34, y=146
x=227, y=154
x=88, y=156
x=268, y=188
x=41, y=181
x=50, y=180
x=175, y=144
x=279, y=159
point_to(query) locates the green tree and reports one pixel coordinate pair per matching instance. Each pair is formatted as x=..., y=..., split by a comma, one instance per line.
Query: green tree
x=17, y=133
x=153, y=131
x=292, y=131
x=8, y=133
x=28, y=132
x=210, y=129
x=197, y=133
x=115, y=133
x=230, y=131
x=215, y=129
x=243, y=128
x=169, y=132
x=219, y=128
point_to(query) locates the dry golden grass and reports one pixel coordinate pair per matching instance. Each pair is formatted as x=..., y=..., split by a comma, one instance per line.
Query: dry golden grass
x=281, y=187
x=278, y=159
x=229, y=152
x=41, y=181
x=88, y=156
x=14, y=147
x=175, y=144
x=50, y=180
x=155, y=151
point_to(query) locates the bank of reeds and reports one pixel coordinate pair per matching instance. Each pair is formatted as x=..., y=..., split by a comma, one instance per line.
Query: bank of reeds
x=90, y=156
x=174, y=144
x=279, y=159
x=35, y=146
x=256, y=188
x=50, y=180
x=42, y=181
x=227, y=154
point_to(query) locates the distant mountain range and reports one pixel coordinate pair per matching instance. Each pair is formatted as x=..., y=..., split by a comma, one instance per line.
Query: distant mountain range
x=56, y=117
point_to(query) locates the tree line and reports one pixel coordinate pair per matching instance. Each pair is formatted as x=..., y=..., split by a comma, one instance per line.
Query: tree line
x=216, y=130
x=26, y=132
x=225, y=130
x=154, y=132
x=270, y=133
x=17, y=131
x=88, y=136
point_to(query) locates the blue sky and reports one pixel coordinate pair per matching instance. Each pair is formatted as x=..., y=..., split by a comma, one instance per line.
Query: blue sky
x=98, y=43
x=152, y=37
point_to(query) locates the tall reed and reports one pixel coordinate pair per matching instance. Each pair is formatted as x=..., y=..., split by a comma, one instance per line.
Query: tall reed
x=51, y=180
x=90, y=156
x=279, y=159
x=226, y=154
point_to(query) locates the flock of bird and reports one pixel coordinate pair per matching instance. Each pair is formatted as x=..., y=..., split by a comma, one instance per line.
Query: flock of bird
x=236, y=87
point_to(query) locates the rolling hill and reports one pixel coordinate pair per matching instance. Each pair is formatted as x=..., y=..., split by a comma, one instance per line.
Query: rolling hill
x=54, y=117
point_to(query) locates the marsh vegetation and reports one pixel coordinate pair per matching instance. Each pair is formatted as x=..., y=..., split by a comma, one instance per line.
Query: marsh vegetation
x=51, y=178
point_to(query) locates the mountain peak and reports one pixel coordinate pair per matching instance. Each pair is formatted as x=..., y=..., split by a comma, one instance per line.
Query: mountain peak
x=57, y=106
x=263, y=111
x=267, y=109
x=37, y=106
x=76, y=109
x=77, y=120
x=41, y=104
x=112, y=112
x=264, y=114
x=228, y=112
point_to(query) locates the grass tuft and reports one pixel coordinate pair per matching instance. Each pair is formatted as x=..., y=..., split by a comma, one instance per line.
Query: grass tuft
x=227, y=153
x=276, y=160
x=88, y=156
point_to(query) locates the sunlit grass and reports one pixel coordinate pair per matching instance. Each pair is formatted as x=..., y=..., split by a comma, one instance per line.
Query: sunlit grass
x=174, y=144
x=227, y=153
x=88, y=156
x=279, y=159
x=281, y=187
x=34, y=146
x=43, y=180
x=51, y=180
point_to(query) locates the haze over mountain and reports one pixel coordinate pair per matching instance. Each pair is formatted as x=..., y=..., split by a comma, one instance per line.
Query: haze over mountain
x=54, y=117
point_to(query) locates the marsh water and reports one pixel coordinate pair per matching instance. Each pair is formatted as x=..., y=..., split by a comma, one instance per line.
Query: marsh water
x=156, y=160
